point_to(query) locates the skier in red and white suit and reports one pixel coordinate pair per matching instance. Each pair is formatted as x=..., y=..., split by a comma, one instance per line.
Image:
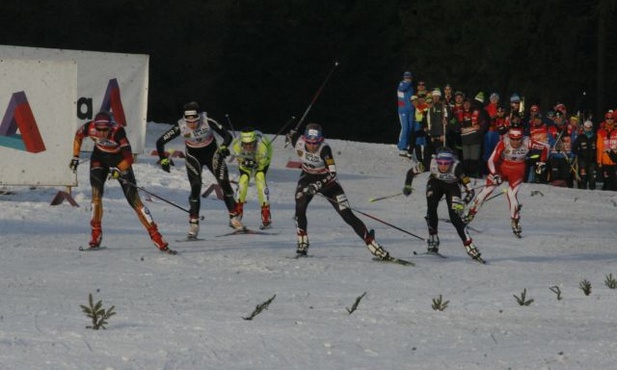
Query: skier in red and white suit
x=507, y=163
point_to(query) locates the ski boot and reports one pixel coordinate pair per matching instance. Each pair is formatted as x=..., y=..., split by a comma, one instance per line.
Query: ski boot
x=158, y=241
x=473, y=252
x=240, y=210
x=303, y=244
x=469, y=215
x=433, y=243
x=97, y=234
x=235, y=221
x=516, y=228
x=266, y=220
x=193, y=228
x=374, y=247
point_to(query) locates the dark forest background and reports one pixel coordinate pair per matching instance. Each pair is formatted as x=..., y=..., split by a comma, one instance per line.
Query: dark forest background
x=262, y=61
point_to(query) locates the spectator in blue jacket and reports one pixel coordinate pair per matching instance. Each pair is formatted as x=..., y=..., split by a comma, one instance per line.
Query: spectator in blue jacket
x=405, y=112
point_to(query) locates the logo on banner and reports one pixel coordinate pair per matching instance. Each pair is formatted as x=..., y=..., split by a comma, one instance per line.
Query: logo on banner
x=18, y=115
x=113, y=103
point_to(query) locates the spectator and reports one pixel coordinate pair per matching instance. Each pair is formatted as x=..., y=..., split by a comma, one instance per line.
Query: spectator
x=404, y=92
x=453, y=134
x=448, y=95
x=560, y=155
x=585, y=149
x=491, y=107
x=538, y=131
x=437, y=119
x=417, y=142
x=515, y=115
x=607, y=141
x=472, y=133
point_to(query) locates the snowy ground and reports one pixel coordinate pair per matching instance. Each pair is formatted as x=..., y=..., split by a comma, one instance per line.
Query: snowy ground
x=186, y=311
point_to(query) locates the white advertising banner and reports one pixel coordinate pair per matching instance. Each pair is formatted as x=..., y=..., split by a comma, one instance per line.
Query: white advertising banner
x=37, y=104
x=115, y=82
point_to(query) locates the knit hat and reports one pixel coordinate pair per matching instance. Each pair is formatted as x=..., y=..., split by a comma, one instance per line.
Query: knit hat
x=480, y=97
x=459, y=92
x=494, y=96
x=515, y=98
x=436, y=92
x=407, y=74
x=588, y=124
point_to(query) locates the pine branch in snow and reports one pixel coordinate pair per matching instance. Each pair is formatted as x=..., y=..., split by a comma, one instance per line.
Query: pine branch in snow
x=259, y=308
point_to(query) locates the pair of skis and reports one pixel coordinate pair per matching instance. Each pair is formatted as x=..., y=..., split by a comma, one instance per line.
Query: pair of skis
x=389, y=259
x=100, y=248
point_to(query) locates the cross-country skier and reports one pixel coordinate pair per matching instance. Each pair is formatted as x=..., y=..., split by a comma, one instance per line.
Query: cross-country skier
x=112, y=157
x=507, y=163
x=253, y=151
x=197, y=130
x=319, y=176
x=446, y=177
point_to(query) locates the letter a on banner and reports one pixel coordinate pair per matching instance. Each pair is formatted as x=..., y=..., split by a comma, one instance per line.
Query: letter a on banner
x=19, y=115
x=112, y=102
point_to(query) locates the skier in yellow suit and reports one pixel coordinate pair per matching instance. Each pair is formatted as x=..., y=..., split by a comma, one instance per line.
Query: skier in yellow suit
x=253, y=151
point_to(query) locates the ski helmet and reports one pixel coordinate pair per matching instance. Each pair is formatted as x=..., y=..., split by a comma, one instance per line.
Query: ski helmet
x=313, y=133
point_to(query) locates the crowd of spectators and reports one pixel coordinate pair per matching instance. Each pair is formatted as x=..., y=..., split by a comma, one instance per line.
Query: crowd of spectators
x=582, y=152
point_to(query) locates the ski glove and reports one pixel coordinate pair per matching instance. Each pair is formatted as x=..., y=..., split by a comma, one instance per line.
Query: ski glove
x=540, y=167
x=312, y=188
x=165, y=164
x=407, y=190
x=469, y=196
x=249, y=163
x=114, y=173
x=494, y=178
x=457, y=205
x=74, y=163
x=223, y=152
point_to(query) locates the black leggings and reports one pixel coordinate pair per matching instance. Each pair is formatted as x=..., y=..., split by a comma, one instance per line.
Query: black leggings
x=196, y=158
x=334, y=194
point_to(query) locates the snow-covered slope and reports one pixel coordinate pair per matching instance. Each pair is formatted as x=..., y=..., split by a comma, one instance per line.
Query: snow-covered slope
x=186, y=311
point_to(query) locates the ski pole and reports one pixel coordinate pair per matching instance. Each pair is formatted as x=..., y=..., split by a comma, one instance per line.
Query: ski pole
x=376, y=219
x=308, y=108
x=280, y=131
x=157, y=196
x=503, y=191
x=233, y=133
x=385, y=197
